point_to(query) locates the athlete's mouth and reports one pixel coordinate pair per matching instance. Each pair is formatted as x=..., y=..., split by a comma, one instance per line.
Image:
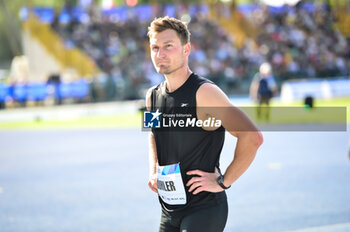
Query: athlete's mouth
x=162, y=63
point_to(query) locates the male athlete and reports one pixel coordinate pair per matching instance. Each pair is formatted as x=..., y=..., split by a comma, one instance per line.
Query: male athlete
x=185, y=164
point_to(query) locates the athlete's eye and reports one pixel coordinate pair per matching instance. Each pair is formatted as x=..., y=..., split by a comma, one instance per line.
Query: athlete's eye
x=155, y=48
x=169, y=45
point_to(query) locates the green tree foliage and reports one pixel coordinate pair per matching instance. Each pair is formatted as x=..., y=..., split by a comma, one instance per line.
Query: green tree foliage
x=10, y=25
x=9, y=29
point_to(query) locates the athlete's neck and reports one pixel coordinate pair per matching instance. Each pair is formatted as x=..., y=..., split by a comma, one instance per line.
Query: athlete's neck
x=177, y=79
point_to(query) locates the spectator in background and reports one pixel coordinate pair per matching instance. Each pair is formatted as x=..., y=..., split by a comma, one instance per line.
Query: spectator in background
x=54, y=80
x=262, y=89
x=19, y=78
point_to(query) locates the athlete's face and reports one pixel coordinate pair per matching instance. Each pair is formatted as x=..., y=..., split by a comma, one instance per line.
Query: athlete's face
x=167, y=52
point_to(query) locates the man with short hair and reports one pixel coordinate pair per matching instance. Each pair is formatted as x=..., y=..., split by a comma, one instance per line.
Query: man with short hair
x=185, y=163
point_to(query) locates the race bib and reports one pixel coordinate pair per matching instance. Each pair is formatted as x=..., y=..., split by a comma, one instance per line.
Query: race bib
x=170, y=185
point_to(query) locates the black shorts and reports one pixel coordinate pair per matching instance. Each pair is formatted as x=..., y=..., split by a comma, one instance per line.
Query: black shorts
x=211, y=219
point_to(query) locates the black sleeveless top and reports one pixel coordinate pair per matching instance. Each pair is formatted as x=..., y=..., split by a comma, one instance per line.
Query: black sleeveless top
x=194, y=148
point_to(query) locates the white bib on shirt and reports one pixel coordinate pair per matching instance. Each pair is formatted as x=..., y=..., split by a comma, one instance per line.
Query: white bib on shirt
x=170, y=185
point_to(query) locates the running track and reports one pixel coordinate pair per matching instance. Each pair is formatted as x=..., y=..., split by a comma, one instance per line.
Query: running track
x=96, y=180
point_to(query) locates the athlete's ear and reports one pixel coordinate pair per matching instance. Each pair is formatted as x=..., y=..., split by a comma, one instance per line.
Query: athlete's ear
x=187, y=49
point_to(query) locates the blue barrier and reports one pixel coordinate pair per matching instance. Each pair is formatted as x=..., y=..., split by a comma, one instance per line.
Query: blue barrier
x=36, y=92
x=145, y=12
x=65, y=91
x=77, y=89
x=4, y=92
x=39, y=91
x=80, y=89
x=20, y=92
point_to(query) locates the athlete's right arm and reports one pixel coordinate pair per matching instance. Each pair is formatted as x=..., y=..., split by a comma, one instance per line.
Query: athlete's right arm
x=152, y=152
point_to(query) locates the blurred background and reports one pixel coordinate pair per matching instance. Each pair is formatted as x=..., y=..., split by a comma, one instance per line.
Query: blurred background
x=74, y=51
x=73, y=76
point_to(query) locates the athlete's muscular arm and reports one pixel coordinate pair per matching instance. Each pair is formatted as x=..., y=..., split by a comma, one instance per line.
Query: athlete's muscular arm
x=212, y=102
x=152, y=152
x=152, y=157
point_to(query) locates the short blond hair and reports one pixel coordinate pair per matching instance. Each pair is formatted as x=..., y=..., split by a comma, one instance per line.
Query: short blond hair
x=161, y=24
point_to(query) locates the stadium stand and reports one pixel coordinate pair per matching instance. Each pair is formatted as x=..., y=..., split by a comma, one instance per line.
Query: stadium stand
x=299, y=42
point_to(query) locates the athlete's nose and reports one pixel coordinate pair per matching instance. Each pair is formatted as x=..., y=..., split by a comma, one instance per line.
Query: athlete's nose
x=161, y=53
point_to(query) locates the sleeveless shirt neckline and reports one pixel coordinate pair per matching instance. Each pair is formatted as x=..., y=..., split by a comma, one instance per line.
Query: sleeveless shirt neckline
x=182, y=86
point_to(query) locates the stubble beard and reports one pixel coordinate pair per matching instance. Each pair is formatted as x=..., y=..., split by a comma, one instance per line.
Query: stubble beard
x=168, y=70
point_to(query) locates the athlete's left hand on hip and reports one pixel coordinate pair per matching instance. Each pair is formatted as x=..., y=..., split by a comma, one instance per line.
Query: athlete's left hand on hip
x=206, y=181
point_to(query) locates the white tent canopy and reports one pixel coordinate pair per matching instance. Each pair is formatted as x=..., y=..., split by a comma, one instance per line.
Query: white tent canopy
x=278, y=3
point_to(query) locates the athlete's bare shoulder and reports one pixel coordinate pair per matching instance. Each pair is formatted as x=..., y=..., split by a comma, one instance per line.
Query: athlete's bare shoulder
x=213, y=102
x=210, y=95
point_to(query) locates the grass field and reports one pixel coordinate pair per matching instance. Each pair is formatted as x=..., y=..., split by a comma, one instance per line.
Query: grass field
x=291, y=113
x=114, y=121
